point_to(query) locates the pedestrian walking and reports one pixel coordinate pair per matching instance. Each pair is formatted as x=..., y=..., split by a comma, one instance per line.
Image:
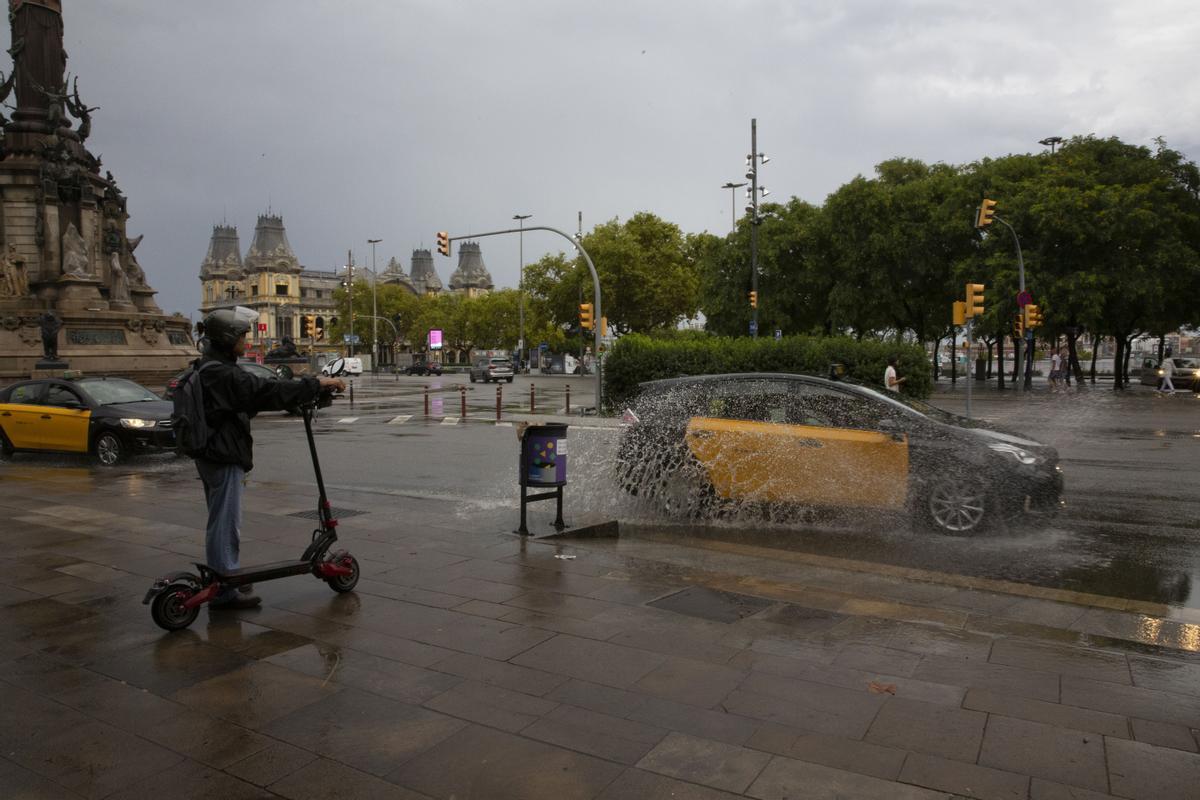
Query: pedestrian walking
x=889, y=376
x=1055, y=370
x=230, y=397
x=1168, y=371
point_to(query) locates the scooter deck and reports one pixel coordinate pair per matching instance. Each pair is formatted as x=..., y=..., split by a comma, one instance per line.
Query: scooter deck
x=264, y=572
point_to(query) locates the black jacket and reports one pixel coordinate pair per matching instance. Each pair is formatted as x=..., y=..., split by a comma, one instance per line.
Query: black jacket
x=232, y=396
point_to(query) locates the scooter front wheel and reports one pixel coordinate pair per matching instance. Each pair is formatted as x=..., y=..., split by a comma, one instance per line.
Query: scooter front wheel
x=169, y=611
x=345, y=583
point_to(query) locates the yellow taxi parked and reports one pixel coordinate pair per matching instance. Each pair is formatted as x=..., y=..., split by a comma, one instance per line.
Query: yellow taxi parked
x=110, y=418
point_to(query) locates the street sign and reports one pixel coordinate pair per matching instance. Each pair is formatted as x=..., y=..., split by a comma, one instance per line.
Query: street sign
x=753, y=327
x=544, y=346
x=778, y=334
x=1024, y=299
x=350, y=338
x=262, y=327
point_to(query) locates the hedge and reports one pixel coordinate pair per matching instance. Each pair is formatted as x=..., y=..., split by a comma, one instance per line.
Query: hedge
x=636, y=358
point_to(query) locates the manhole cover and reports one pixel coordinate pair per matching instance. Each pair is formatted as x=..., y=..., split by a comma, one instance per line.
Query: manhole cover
x=338, y=513
x=712, y=604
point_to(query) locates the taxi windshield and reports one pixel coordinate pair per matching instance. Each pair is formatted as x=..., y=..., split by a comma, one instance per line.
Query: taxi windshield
x=107, y=392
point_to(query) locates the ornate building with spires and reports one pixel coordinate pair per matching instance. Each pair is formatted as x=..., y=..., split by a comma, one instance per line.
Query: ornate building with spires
x=472, y=277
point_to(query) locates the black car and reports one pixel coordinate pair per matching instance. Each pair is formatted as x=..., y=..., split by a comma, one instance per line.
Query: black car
x=252, y=367
x=696, y=445
x=110, y=418
x=424, y=368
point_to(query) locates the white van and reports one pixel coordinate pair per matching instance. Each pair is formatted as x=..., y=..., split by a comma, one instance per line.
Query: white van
x=353, y=366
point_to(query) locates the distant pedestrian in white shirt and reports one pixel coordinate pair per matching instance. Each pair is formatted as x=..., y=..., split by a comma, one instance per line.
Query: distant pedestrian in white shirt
x=889, y=376
x=1168, y=370
x=1055, y=370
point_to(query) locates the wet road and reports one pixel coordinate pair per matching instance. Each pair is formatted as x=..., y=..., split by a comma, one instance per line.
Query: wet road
x=1130, y=529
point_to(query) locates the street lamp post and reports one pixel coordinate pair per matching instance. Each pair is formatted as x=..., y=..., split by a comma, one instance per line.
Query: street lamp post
x=733, y=187
x=521, y=346
x=752, y=162
x=374, y=309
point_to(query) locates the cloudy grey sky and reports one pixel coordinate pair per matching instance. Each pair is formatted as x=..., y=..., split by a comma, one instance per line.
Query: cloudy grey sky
x=393, y=119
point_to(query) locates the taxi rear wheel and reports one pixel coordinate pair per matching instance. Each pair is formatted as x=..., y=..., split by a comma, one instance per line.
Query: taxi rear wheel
x=108, y=449
x=6, y=448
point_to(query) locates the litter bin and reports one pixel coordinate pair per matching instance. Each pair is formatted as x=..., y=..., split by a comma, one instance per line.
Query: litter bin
x=543, y=463
x=980, y=369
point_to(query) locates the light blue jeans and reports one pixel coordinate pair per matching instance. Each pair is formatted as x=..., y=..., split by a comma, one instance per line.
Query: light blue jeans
x=223, y=488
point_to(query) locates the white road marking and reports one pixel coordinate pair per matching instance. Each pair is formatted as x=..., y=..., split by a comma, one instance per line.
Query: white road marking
x=347, y=420
x=503, y=424
x=400, y=420
x=450, y=421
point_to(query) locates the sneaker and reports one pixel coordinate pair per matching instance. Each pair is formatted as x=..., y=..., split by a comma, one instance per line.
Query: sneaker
x=238, y=601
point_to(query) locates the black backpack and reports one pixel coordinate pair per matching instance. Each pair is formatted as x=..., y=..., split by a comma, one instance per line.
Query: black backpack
x=188, y=419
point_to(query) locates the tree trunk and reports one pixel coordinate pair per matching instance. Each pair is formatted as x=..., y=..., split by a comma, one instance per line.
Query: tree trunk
x=1162, y=345
x=990, y=345
x=1000, y=361
x=954, y=358
x=1119, y=363
x=937, y=349
x=1016, y=373
x=1095, y=352
x=1073, y=367
x=1128, y=353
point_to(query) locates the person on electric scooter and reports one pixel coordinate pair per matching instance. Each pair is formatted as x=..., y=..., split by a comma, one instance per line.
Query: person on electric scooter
x=231, y=397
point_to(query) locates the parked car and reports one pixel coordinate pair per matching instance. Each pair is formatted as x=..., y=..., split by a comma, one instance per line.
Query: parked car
x=492, y=369
x=252, y=367
x=351, y=366
x=110, y=418
x=1187, y=373
x=424, y=368
x=697, y=445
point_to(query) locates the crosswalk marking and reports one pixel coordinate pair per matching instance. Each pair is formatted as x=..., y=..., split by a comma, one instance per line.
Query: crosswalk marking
x=400, y=420
x=450, y=421
x=347, y=420
x=503, y=424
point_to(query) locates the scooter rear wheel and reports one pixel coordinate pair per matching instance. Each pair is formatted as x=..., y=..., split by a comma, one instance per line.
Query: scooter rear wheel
x=168, y=610
x=345, y=583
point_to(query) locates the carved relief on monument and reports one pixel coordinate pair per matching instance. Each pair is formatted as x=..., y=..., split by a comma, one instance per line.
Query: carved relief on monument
x=75, y=260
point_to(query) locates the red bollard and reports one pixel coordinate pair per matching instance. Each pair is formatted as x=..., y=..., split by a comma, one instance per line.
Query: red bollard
x=498, y=396
x=426, y=401
x=532, y=400
x=568, y=398
x=462, y=393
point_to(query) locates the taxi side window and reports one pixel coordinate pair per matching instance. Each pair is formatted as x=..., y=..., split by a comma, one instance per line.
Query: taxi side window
x=753, y=401
x=29, y=393
x=830, y=409
x=60, y=396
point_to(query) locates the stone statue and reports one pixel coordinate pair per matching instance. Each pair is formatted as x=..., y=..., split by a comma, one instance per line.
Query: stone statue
x=50, y=325
x=81, y=112
x=56, y=102
x=119, y=293
x=136, y=275
x=75, y=253
x=13, y=280
x=285, y=349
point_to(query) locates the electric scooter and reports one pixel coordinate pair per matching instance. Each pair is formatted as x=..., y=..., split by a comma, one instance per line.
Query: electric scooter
x=175, y=599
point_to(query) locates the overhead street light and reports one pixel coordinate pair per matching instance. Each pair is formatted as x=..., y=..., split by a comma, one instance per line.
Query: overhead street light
x=733, y=202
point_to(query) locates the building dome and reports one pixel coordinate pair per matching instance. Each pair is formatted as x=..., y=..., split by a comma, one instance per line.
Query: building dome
x=471, y=273
x=224, y=257
x=270, y=250
x=424, y=277
x=395, y=275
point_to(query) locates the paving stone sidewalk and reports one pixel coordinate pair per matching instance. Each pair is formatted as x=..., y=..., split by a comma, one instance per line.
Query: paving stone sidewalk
x=472, y=664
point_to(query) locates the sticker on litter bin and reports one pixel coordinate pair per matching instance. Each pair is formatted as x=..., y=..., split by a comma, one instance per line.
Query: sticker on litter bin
x=548, y=460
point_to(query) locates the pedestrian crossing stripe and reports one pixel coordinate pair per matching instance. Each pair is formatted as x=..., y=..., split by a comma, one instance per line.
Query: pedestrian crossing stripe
x=400, y=420
x=347, y=420
x=450, y=421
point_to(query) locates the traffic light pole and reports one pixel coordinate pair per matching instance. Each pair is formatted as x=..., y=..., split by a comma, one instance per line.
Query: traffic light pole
x=1028, y=365
x=350, y=292
x=754, y=226
x=968, y=340
x=596, y=313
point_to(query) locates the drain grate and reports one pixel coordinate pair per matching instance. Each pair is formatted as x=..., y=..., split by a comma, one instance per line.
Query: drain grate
x=338, y=513
x=712, y=604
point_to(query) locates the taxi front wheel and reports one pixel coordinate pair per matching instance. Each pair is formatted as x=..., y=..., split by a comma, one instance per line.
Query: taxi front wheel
x=109, y=449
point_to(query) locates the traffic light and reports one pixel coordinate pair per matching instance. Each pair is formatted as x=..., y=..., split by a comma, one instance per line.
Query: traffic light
x=974, y=304
x=443, y=238
x=960, y=312
x=987, y=211
x=585, y=316
x=604, y=327
x=754, y=299
x=1019, y=324
x=1033, y=316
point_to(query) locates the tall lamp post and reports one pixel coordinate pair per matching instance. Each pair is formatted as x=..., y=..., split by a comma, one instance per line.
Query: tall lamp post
x=733, y=202
x=374, y=309
x=521, y=347
x=753, y=160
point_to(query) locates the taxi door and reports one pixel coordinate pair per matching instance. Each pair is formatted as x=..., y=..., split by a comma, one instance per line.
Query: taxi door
x=19, y=416
x=63, y=421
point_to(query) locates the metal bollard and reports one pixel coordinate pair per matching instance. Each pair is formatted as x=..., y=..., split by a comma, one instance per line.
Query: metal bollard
x=498, y=400
x=462, y=393
x=426, y=401
x=568, y=398
x=532, y=399
x=352, y=394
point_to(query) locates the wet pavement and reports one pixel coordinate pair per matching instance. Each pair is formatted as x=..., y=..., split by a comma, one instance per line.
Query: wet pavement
x=840, y=658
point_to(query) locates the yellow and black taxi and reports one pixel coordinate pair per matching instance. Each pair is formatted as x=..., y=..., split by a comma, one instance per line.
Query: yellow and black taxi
x=697, y=445
x=110, y=418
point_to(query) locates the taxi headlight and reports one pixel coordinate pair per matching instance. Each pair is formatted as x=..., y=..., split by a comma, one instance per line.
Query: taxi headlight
x=1020, y=454
x=138, y=423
